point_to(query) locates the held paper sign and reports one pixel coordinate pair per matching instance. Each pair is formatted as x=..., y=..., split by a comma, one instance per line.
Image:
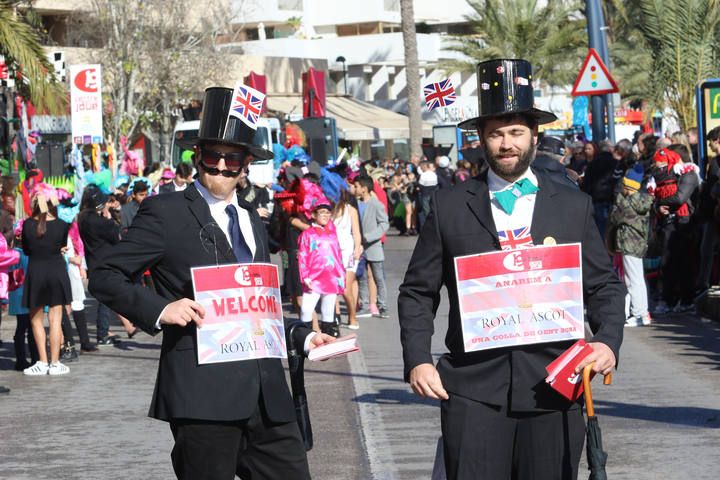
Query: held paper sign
x=520, y=297
x=243, y=312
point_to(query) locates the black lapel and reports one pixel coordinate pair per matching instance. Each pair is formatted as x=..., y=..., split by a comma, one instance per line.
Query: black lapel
x=261, y=253
x=479, y=203
x=545, y=209
x=211, y=235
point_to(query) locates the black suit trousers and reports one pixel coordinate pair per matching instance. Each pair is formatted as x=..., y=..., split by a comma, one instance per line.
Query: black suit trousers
x=484, y=442
x=252, y=449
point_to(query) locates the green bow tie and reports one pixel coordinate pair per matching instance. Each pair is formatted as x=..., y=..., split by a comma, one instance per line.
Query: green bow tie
x=507, y=198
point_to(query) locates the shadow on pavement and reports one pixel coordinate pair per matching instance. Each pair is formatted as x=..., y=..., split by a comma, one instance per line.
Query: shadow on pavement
x=394, y=396
x=684, y=416
x=699, y=340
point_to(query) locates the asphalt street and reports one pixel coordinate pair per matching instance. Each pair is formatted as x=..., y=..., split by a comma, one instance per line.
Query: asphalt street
x=660, y=418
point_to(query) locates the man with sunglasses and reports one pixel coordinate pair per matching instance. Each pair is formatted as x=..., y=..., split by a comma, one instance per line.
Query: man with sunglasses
x=226, y=418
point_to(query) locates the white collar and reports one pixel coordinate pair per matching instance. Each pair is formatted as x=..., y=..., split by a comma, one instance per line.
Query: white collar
x=497, y=184
x=212, y=201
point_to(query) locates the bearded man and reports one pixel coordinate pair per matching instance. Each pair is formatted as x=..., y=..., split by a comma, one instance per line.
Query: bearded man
x=499, y=417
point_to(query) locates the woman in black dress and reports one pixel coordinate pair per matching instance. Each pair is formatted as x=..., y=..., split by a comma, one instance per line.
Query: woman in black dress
x=44, y=239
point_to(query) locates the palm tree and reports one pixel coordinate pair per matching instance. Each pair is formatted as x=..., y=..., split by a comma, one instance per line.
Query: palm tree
x=412, y=73
x=551, y=35
x=20, y=44
x=670, y=44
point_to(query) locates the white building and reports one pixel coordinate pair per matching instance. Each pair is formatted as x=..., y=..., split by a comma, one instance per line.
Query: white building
x=367, y=36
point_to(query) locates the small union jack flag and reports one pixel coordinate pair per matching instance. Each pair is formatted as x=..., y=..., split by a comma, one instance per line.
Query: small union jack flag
x=246, y=105
x=440, y=94
x=515, y=238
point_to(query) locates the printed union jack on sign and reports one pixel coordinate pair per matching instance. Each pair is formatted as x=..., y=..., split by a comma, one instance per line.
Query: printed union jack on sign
x=515, y=238
x=440, y=94
x=246, y=105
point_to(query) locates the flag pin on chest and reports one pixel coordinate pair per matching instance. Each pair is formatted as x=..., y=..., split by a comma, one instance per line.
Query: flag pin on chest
x=516, y=192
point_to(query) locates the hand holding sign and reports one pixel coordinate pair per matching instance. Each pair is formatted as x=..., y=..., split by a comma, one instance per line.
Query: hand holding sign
x=182, y=312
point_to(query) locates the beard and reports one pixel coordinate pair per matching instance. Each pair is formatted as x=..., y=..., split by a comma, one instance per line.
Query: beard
x=507, y=171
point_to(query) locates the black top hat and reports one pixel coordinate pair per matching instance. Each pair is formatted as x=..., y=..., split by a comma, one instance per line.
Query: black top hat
x=216, y=126
x=505, y=88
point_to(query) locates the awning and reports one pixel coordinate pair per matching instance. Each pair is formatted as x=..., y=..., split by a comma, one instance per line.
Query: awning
x=354, y=119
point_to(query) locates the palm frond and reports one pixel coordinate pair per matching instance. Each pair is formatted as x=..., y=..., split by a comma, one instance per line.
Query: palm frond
x=20, y=43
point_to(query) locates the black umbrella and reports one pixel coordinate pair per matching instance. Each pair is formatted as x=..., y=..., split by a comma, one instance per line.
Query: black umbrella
x=596, y=456
x=296, y=363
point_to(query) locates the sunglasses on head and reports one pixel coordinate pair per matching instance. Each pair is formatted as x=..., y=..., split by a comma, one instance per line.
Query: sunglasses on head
x=233, y=160
x=216, y=171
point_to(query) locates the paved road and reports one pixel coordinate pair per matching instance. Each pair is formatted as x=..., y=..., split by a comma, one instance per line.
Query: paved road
x=661, y=418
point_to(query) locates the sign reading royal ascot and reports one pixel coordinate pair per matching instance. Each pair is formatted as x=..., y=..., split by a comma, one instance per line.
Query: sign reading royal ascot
x=520, y=297
x=86, y=104
x=243, y=312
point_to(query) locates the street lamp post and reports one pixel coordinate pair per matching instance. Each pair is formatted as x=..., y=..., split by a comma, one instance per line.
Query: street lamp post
x=342, y=60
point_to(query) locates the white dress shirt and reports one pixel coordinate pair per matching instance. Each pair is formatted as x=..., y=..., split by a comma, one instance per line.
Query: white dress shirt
x=524, y=206
x=218, y=213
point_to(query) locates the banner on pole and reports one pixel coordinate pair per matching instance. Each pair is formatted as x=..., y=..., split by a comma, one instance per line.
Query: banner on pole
x=86, y=104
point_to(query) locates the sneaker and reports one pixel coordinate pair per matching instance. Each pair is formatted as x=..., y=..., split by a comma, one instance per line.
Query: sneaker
x=382, y=313
x=374, y=310
x=363, y=313
x=683, y=308
x=661, y=309
x=58, y=369
x=69, y=353
x=107, y=342
x=633, y=322
x=352, y=326
x=4, y=389
x=330, y=328
x=39, y=368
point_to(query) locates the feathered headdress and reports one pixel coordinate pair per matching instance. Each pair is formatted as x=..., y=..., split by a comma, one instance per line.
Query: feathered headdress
x=41, y=194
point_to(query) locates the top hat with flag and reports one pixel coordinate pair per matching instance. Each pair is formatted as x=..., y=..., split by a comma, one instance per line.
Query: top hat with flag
x=505, y=88
x=229, y=117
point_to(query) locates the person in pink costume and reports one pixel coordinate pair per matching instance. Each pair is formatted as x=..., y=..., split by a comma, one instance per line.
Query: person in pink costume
x=321, y=269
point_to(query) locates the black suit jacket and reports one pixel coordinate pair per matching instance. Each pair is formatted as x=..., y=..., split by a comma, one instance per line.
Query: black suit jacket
x=170, y=234
x=461, y=223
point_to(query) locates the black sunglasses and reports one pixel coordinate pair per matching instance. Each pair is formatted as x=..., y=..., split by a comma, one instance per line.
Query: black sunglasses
x=233, y=160
x=215, y=171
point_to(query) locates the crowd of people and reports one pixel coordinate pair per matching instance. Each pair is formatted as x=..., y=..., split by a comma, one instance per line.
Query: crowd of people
x=658, y=217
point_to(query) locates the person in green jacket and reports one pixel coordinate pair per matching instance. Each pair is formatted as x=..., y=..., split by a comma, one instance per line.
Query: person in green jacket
x=628, y=234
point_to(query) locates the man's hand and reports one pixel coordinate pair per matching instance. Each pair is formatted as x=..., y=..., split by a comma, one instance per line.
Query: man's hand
x=263, y=212
x=320, y=339
x=75, y=260
x=603, y=357
x=182, y=312
x=425, y=381
x=664, y=210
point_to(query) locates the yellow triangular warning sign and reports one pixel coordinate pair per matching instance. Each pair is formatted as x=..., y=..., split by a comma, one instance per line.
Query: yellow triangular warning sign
x=594, y=77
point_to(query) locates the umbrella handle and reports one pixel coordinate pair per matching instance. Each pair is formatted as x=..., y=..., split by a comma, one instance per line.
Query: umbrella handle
x=587, y=377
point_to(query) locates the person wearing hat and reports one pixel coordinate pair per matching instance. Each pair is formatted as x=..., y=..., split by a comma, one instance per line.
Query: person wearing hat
x=499, y=417
x=628, y=229
x=226, y=418
x=550, y=153
x=179, y=180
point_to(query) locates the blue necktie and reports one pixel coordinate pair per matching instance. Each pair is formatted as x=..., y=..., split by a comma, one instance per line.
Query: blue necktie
x=239, y=245
x=507, y=198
